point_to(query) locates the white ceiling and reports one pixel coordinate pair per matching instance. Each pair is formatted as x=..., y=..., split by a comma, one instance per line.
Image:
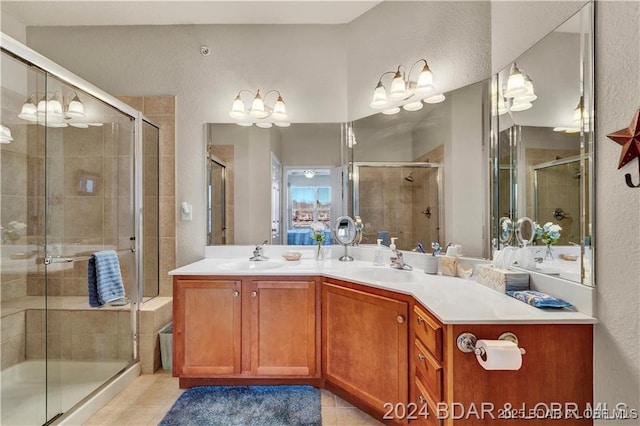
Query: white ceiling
x=128, y=12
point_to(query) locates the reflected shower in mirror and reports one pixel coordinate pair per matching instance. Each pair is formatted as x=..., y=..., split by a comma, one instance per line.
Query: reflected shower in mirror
x=409, y=167
x=543, y=150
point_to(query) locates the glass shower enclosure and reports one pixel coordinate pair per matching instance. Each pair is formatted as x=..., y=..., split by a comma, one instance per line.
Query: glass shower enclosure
x=67, y=190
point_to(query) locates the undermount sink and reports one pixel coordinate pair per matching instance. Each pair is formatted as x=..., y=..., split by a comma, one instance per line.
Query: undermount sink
x=384, y=274
x=248, y=265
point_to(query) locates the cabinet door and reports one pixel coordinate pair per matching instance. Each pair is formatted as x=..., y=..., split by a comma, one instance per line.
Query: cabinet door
x=283, y=328
x=207, y=332
x=365, y=345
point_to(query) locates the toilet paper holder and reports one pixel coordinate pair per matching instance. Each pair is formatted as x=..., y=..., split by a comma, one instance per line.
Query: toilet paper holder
x=466, y=342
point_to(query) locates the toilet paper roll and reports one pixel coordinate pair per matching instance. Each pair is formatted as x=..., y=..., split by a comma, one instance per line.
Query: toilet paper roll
x=499, y=355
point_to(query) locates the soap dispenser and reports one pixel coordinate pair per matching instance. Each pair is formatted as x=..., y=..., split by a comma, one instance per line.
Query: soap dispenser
x=377, y=257
x=392, y=246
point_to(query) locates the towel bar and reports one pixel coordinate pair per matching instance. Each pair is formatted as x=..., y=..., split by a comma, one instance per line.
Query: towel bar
x=60, y=259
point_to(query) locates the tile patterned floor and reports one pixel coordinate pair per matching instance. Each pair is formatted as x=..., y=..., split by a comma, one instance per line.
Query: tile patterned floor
x=150, y=396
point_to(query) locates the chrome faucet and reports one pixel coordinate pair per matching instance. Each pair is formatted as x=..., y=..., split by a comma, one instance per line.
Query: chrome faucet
x=258, y=253
x=397, y=261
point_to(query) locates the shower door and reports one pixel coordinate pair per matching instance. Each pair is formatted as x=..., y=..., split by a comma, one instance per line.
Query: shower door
x=88, y=207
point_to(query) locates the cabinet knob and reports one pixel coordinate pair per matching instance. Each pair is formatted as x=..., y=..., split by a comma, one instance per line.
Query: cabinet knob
x=421, y=357
x=254, y=294
x=420, y=320
x=236, y=293
x=421, y=399
x=400, y=319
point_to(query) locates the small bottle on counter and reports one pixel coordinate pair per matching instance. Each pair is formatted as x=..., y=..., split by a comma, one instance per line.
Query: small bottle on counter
x=378, y=256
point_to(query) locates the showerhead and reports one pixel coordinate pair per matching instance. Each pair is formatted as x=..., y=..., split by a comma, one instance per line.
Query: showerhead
x=409, y=177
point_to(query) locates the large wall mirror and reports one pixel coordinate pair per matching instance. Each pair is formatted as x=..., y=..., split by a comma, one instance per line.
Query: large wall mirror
x=272, y=184
x=417, y=175
x=542, y=148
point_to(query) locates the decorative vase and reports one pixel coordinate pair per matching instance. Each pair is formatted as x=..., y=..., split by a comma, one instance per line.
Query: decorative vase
x=548, y=255
x=319, y=252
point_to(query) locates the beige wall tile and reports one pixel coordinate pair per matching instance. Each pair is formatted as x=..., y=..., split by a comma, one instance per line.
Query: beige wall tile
x=13, y=352
x=133, y=101
x=166, y=287
x=94, y=346
x=167, y=256
x=167, y=176
x=94, y=322
x=13, y=326
x=167, y=217
x=83, y=218
x=159, y=105
x=13, y=289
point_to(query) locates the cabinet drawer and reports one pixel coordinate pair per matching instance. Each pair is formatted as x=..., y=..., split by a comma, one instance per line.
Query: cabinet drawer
x=429, y=369
x=428, y=331
x=427, y=417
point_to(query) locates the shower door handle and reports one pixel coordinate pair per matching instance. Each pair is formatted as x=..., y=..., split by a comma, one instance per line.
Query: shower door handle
x=49, y=260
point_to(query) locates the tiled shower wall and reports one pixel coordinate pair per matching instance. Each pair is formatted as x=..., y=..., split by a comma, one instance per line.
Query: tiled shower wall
x=161, y=111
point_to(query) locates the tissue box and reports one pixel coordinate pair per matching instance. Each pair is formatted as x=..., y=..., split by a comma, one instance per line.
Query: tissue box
x=502, y=280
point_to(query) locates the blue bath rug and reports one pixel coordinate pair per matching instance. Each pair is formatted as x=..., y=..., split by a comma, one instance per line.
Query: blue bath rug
x=246, y=405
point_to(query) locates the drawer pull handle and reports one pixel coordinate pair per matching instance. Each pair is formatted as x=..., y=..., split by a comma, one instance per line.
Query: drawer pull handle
x=421, y=399
x=421, y=357
x=236, y=293
x=400, y=319
x=420, y=320
x=254, y=294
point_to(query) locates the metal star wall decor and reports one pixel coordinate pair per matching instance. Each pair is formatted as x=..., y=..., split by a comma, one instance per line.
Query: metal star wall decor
x=629, y=138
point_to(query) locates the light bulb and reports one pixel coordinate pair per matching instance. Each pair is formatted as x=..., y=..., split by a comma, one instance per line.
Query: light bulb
x=257, y=106
x=520, y=106
x=379, y=100
x=435, y=99
x=413, y=106
x=279, y=111
x=391, y=111
x=424, y=85
x=75, y=108
x=282, y=123
x=398, y=87
x=264, y=125
x=29, y=111
x=245, y=123
x=515, y=83
x=5, y=134
x=237, y=109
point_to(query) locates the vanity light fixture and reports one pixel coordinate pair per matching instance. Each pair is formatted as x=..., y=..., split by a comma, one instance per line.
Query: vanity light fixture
x=520, y=89
x=580, y=118
x=261, y=114
x=54, y=109
x=405, y=92
x=309, y=173
x=5, y=134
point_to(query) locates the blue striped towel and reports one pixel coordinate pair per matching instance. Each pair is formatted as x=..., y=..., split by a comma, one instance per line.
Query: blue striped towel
x=104, y=278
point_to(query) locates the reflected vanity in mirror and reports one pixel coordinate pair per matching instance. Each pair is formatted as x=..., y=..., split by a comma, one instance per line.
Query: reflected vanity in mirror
x=542, y=149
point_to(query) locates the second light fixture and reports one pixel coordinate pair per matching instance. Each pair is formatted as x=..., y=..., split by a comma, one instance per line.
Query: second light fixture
x=404, y=91
x=260, y=113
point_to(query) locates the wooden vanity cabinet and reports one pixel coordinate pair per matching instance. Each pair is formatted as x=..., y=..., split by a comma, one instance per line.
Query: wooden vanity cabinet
x=246, y=330
x=556, y=369
x=207, y=327
x=365, y=346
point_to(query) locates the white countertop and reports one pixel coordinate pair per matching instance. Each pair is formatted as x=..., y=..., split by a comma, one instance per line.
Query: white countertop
x=452, y=300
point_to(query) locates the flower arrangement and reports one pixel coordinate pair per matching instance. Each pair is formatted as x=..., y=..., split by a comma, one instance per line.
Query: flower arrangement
x=549, y=233
x=317, y=232
x=13, y=231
